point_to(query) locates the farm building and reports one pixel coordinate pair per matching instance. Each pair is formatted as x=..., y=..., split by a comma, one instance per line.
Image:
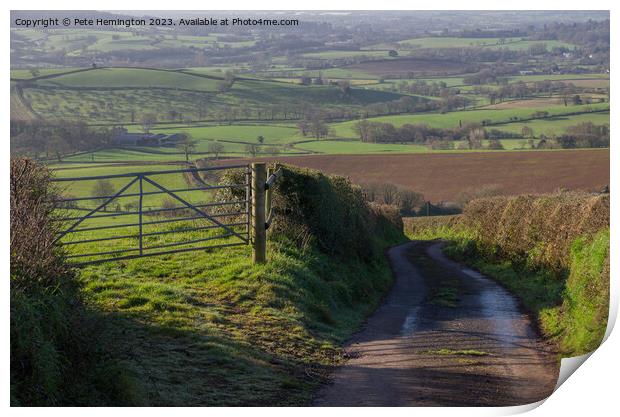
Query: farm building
x=124, y=138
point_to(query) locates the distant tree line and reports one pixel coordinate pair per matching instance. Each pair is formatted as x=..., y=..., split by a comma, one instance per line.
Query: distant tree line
x=408, y=202
x=585, y=135
x=471, y=136
x=56, y=139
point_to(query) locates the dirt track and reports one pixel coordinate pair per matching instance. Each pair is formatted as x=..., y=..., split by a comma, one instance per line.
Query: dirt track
x=445, y=336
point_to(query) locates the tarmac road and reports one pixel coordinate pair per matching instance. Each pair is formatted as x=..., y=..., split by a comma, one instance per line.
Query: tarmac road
x=445, y=336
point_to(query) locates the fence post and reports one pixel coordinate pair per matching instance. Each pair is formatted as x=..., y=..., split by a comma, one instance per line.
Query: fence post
x=259, y=234
x=268, y=194
x=140, y=215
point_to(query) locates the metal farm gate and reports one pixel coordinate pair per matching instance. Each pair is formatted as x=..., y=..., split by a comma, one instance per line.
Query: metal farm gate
x=130, y=215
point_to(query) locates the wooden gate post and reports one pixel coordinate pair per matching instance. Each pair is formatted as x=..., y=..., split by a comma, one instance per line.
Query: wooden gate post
x=259, y=233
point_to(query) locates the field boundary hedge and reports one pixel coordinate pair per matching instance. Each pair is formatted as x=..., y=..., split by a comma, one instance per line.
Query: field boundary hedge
x=550, y=250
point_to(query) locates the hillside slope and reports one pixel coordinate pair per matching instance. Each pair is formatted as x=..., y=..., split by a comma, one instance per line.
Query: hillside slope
x=213, y=329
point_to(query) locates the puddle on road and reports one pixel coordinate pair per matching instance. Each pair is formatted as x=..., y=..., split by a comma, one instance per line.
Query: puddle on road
x=411, y=322
x=498, y=306
x=472, y=273
x=495, y=303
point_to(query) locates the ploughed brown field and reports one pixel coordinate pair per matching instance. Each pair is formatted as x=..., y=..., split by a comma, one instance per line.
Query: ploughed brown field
x=441, y=177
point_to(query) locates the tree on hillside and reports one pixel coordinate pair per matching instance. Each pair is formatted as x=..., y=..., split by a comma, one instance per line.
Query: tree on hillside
x=273, y=150
x=362, y=128
x=187, y=145
x=202, y=110
x=261, y=139
x=172, y=114
x=215, y=148
x=475, y=137
x=317, y=125
x=304, y=127
x=408, y=201
x=345, y=88
x=251, y=149
x=148, y=121
x=103, y=189
x=229, y=77
x=388, y=193
x=59, y=146
x=527, y=132
x=495, y=144
x=222, y=86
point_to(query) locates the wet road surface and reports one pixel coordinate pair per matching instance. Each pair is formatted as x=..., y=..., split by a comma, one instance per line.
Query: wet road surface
x=445, y=336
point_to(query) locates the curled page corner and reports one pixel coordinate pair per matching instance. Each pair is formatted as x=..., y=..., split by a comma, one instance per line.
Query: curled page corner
x=525, y=408
x=568, y=366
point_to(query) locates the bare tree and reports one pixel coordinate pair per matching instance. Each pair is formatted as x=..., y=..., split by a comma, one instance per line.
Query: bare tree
x=215, y=148
x=187, y=145
x=148, y=120
x=409, y=200
x=251, y=149
x=388, y=193
x=103, y=189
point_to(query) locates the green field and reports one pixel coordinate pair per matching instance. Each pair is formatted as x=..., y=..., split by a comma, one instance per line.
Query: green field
x=286, y=139
x=125, y=95
x=452, y=42
x=558, y=77
x=555, y=125
x=347, y=54
x=24, y=74
x=120, y=95
x=84, y=41
x=85, y=188
x=131, y=77
x=273, y=134
x=451, y=120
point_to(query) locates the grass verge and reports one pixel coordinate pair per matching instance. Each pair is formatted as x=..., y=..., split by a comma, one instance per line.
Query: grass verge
x=570, y=304
x=210, y=328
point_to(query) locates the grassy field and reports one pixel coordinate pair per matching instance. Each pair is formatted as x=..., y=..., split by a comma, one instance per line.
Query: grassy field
x=347, y=54
x=24, y=74
x=555, y=125
x=125, y=95
x=286, y=139
x=215, y=330
x=453, y=119
x=272, y=133
x=78, y=42
x=120, y=95
x=19, y=109
x=211, y=328
x=86, y=188
x=131, y=77
x=452, y=42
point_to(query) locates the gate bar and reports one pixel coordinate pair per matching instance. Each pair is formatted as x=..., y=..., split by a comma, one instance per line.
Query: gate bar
x=105, y=203
x=151, y=173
